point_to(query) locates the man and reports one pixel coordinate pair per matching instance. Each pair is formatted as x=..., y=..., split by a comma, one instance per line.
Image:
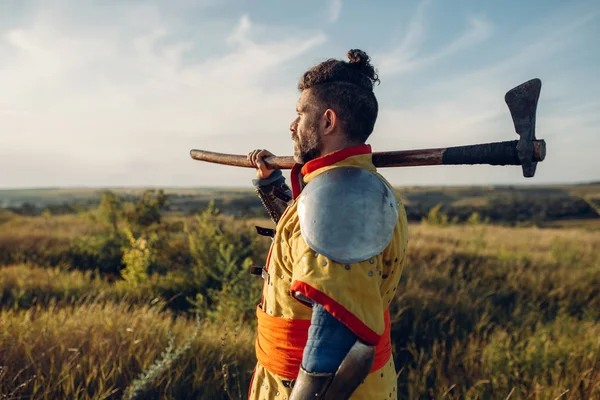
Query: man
x=338, y=248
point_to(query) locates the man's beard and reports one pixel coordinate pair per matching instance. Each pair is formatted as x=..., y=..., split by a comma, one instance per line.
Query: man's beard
x=309, y=149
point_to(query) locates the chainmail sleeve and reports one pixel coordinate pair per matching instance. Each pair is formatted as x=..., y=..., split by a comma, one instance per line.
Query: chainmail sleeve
x=274, y=193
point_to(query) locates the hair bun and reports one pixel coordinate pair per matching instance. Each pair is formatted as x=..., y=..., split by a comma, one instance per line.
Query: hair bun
x=360, y=61
x=357, y=56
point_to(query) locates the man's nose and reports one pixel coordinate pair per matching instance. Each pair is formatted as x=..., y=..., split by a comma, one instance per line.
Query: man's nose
x=294, y=125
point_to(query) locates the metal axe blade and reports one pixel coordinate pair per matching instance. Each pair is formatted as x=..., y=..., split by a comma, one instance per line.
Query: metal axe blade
x=522, y=102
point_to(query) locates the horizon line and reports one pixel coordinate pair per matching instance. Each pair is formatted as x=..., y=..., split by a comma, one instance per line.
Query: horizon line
x=249, y=187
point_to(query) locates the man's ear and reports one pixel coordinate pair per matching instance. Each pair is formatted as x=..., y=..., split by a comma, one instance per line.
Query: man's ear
x=329, y=121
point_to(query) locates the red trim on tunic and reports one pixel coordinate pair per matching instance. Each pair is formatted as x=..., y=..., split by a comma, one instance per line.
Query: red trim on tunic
x=361, y=330
x=251, y=381
x=296, y=179
x=383, y=351
x=335, y=157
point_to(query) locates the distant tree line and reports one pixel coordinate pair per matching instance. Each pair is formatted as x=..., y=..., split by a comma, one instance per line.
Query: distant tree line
x=512, y=208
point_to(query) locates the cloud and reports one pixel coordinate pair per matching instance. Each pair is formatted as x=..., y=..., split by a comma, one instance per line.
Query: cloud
x=467, y=107
x=408, y=55
x=459, y=106
x=98, y=102
x=335, y=9
x=118, y=93
x=409, y=47
x=241, y=32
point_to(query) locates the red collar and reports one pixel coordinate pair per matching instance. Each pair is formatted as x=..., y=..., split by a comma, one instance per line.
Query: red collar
x=298, y=171
x=335, y=157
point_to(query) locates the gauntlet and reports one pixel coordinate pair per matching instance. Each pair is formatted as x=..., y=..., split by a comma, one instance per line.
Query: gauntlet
x=274, y=193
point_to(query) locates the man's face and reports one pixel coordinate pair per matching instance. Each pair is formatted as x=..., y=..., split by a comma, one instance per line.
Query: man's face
x=305, y=131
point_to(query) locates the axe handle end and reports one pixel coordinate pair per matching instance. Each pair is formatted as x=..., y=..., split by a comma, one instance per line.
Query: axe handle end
x=235, y=160
x=539, y=150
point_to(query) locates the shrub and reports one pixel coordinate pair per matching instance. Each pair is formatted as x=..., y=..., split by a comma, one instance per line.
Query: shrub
x=437, y=217
x=221, y=260
x=101, y=252
x=137, y=257
x=475, y=219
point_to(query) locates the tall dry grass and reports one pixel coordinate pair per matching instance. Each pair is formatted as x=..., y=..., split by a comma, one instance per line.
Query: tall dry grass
x=96, y=350
x=47, y=240
x=482, y=312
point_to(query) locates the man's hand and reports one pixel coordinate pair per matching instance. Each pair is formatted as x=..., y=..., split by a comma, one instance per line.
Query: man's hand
x=256, y=158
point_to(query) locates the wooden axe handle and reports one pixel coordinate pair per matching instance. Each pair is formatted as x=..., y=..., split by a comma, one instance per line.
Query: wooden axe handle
x=499, y=153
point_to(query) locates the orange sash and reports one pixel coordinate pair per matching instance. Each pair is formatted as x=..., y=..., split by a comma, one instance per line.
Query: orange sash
x=280, y=344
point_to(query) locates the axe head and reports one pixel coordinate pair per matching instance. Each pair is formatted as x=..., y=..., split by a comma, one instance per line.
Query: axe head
x=522, y=103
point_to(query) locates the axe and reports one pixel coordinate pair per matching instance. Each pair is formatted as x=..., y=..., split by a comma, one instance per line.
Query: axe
x=526, y=152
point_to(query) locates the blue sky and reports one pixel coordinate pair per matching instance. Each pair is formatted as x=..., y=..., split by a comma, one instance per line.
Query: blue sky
x=116, y=93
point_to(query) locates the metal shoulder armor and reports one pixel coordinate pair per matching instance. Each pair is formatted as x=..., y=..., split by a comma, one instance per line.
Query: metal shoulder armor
x=348, y=214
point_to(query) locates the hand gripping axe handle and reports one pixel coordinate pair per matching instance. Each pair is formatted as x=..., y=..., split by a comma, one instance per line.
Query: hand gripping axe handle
x=527, y=151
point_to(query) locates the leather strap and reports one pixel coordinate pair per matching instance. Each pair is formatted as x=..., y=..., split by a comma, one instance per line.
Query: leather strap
x=265, y=231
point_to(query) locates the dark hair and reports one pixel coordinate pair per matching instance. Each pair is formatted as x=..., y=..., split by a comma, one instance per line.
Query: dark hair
x=347, y=88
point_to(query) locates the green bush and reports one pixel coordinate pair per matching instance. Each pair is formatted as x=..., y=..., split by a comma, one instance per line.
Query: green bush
x=102, y=252
x=437, y=217
x=475, y=219
x=221, y=260
x=137, y=257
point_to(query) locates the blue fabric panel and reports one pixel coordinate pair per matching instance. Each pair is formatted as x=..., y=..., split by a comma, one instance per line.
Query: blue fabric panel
x=328, y=342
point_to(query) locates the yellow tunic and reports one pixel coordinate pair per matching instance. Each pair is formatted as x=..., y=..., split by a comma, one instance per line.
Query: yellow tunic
x=358, y=293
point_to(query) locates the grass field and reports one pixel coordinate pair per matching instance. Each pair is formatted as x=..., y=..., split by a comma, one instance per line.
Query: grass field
x=482, y=311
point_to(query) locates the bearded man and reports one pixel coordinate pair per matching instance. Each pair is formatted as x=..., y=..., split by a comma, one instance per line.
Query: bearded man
x=338, y=249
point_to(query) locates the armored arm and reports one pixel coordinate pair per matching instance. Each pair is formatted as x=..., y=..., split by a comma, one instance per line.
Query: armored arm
x=335, y=361
x=274, y=194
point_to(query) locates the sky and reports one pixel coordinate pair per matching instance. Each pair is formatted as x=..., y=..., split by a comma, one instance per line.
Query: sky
x=116, y=93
